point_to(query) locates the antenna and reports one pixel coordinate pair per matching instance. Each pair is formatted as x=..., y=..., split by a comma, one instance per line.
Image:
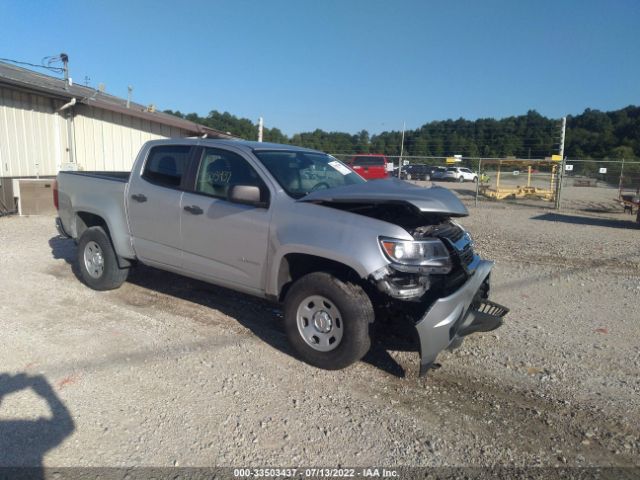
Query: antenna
x=129, y=90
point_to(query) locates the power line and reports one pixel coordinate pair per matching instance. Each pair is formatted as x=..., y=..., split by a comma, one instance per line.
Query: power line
x=46, y=67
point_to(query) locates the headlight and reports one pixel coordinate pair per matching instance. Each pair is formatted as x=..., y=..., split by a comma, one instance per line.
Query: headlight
x=430, y=254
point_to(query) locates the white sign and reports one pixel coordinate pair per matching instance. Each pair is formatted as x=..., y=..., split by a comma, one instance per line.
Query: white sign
x=405, y=162
x=516, y=172
x=340, y=167
x=390, y=167
x=603, y=170
x=568, y=168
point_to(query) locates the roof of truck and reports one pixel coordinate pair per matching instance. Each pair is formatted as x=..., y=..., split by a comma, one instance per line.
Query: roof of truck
x=248, y=144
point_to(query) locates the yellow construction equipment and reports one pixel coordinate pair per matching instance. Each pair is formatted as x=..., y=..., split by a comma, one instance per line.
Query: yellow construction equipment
x=521, y=191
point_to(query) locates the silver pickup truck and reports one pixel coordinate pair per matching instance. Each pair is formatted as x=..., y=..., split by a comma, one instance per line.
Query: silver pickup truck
x=292, y=225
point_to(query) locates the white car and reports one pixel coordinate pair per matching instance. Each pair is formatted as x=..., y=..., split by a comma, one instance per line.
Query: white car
x=460, y=174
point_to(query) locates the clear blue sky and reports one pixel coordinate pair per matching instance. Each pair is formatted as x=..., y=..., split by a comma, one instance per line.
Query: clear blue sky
x=342, y=65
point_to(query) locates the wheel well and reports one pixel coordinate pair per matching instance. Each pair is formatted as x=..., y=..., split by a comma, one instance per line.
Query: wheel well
x=295, y=265
x=86, y=220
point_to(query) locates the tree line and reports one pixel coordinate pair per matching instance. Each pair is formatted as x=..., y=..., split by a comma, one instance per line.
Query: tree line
x=592, y=134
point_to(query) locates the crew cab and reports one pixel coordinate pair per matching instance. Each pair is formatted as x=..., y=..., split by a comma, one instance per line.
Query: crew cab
x=292, y=225
x=371, y=166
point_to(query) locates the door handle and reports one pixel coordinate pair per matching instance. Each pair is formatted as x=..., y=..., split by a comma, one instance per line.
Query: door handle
x=194, y=210
x=138, y=197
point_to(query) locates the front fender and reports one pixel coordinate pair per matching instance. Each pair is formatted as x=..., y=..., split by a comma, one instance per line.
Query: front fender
x=328, y=233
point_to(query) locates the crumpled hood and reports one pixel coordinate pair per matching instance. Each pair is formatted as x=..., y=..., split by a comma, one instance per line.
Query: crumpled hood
x=427, y=200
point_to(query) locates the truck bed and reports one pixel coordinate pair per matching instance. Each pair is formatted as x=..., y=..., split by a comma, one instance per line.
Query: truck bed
x=114, y=176
x=102, y=194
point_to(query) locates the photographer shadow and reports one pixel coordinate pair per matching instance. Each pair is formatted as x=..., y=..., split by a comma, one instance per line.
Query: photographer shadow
x=24, y=443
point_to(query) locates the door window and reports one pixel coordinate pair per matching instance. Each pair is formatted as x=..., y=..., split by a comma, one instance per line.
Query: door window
x=220, y=169
x=166, y=165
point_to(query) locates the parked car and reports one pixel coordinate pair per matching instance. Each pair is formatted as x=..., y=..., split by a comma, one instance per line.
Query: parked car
x=416, y=172
x=438, y=173
x=371, y=166
x=291, y=225
x=460, y=174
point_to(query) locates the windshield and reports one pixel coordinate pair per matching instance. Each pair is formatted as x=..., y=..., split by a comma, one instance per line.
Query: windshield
x=301, y=173
x=367, y=161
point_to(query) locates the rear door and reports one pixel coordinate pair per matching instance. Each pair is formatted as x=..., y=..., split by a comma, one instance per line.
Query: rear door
x=153, y=205
x=223, y=241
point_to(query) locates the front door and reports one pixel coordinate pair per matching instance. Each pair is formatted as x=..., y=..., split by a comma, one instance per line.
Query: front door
x=223, y=241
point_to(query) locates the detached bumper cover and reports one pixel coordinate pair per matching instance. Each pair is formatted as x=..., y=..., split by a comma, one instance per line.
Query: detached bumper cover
x=457, y=315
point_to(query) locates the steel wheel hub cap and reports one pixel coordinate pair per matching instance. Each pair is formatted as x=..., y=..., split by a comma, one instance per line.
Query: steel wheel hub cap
x=319, y=323
x=322, y=321
x=93, y=259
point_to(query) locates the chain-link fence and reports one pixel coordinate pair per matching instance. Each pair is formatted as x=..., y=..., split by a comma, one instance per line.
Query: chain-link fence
x=575, y=184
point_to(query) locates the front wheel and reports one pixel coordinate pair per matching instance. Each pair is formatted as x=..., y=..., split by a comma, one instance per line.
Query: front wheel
x=327, y=320
x=98, y=262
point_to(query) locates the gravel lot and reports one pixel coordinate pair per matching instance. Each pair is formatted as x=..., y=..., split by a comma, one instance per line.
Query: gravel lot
x=169, y=371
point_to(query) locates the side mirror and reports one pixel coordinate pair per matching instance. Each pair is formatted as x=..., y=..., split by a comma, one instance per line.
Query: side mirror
x=247, y=195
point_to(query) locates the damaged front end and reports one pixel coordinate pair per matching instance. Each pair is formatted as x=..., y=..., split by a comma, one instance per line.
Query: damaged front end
x=436, y=279
x=444, y=287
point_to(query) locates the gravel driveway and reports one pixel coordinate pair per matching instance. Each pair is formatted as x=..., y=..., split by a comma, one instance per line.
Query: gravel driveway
x=169, y=371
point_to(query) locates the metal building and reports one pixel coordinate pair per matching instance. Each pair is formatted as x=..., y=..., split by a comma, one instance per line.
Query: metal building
x=49, y=124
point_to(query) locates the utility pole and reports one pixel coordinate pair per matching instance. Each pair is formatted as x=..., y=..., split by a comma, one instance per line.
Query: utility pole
x=65, y=65
x=404, y=126
x=564, y=128
x=260, y=128
x=562, y=163
x=621, y=181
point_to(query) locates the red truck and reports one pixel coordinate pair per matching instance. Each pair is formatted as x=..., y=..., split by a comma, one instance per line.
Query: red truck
x=370, y=166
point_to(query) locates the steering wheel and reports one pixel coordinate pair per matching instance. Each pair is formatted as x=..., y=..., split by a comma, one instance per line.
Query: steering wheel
x=320, y=185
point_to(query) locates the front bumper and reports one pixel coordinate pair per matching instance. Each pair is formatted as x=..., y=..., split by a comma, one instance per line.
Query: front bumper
x=450, y=318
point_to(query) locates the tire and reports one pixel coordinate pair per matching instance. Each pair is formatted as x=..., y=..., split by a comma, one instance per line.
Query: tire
x=408, y=176
x=98, y=262
x=316, y=296
x=427, y=178
x=461, y=179
x=475, y=179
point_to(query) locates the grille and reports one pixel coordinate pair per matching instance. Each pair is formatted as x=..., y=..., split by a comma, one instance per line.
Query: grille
x=466, y=254
x=451, y=232
x=444, y=230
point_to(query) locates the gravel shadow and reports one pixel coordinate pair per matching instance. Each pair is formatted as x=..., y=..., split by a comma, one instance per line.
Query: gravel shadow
x=264, y=319
x=581, y=220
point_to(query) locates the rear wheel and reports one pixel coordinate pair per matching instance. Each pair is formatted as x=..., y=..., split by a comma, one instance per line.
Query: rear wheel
x=98, y=262
x=461, y=179
x=408, y=176
x=327, y=320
